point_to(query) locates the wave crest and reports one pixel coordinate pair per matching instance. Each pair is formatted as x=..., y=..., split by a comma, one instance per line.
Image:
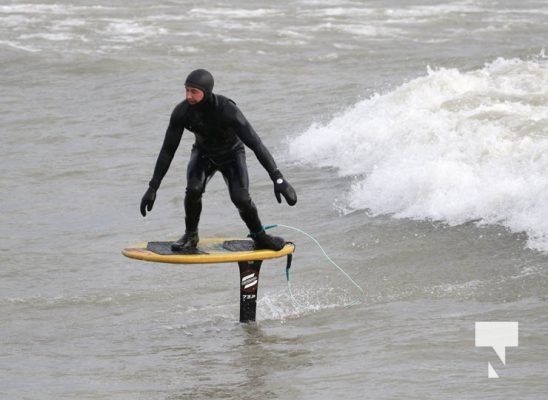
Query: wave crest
x=451, y=146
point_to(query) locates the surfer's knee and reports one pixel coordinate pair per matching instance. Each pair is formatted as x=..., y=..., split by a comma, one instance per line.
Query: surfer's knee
x=194, y=191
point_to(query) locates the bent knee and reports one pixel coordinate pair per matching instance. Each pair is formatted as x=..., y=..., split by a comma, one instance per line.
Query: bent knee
x=194, y=190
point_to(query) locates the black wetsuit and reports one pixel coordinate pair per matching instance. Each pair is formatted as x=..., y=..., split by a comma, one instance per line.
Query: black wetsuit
x=221, y=131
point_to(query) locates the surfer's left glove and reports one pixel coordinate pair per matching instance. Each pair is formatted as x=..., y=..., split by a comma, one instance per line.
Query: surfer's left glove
x=283, y=188
x=148, y=201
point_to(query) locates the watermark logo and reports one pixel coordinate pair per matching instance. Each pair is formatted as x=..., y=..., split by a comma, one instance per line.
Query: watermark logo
x=499, y=336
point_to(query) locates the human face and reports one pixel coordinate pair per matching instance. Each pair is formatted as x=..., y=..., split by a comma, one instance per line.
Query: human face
x=194, y=95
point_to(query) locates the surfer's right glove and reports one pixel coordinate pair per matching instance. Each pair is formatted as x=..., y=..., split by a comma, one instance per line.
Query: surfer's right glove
x=282, y=187
x=148, y=201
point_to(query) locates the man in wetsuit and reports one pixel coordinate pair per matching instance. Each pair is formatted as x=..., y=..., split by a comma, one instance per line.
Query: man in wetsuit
x=221, y=131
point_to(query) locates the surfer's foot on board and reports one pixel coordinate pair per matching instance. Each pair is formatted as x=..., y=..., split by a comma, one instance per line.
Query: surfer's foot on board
x=265, y=241
x=188, y=241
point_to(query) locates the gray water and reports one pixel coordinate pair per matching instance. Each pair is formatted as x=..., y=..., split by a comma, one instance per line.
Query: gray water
x=87, y=90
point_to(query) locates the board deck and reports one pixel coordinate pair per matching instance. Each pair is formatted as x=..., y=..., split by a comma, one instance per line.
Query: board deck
x=209, y=251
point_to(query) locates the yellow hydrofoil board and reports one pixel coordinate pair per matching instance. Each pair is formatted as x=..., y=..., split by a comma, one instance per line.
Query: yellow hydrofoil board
x=209, y=251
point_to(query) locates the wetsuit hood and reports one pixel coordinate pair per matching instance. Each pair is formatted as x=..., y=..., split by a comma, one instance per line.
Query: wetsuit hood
x=203, y=80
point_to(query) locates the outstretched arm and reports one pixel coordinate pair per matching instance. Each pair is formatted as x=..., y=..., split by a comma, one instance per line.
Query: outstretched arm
x=171, y=142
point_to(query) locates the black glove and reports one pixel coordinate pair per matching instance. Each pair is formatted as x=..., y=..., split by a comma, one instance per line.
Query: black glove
x=148, y=201
x=282, y=187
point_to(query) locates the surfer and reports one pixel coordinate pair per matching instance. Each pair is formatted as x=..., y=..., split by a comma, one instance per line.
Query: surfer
x=221, y=131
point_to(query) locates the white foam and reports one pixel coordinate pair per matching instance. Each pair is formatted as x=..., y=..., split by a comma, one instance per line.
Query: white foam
x=339, y=12
x=54, y=37
x=279, y=305
x=15, y=45
x=436, y=11
x=130, y=31
x=34, y=8
x=40, y=9
x=232, y=12
x=452, y=146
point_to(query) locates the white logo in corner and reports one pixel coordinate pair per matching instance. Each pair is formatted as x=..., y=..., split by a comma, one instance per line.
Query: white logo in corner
x=497, y=335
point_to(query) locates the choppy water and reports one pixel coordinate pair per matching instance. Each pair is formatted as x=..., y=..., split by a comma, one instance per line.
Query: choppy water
x=414, y=132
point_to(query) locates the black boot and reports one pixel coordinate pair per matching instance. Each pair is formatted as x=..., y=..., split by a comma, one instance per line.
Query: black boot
x=265, y=241
x=188, y=241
